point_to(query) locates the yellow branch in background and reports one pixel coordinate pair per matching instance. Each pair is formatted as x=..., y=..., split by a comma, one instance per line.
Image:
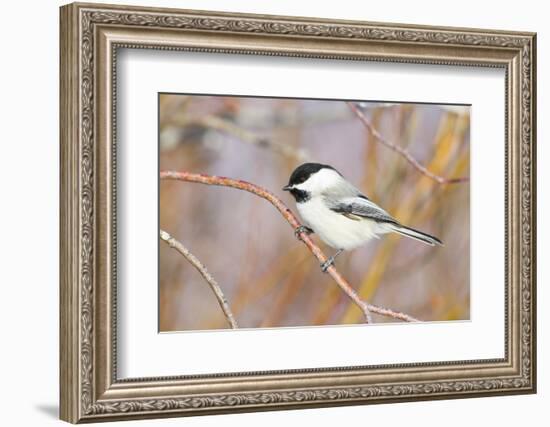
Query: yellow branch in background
x=406, y=214
x=266, y=282
x=290, y=289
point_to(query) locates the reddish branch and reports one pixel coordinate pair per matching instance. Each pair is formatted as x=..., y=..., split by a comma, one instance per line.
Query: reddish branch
x=402, y=151
x=222, y=301
x=293, y=221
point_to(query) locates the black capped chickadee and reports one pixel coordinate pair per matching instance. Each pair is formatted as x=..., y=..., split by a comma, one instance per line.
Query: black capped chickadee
x=337, y=211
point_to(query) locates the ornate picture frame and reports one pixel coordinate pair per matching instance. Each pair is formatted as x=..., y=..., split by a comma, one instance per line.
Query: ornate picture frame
x=90, y=37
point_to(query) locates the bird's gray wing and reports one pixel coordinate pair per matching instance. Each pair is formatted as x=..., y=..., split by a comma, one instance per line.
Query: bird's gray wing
x=359, y=207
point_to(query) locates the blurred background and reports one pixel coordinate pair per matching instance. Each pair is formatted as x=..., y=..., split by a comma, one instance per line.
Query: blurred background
x=269, y=278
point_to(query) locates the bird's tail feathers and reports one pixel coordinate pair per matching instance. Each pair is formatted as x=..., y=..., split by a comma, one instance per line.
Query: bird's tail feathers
x=415, y=234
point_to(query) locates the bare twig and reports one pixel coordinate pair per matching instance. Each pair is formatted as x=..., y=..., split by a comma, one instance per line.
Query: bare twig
x=402, y=151
x=291, y=219
x=230, y=128
x=390, y=313
x=222, y=301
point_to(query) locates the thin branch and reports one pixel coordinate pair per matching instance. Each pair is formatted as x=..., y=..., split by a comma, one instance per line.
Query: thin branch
x=365, y=307
x=402, y=151
x=222, y=301
x=230, y=128
x=391, y=313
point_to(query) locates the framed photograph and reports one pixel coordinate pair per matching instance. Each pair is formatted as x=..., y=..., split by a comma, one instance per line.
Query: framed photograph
x=266, y=212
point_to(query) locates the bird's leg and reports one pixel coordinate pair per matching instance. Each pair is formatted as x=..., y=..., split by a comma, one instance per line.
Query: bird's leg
x=302, y=229
x=330, y=261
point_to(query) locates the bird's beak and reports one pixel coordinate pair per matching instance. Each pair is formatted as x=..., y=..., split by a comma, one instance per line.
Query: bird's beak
x=287, y=188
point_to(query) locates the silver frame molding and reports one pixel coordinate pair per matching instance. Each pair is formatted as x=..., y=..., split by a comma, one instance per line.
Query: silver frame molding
x=90, y=37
